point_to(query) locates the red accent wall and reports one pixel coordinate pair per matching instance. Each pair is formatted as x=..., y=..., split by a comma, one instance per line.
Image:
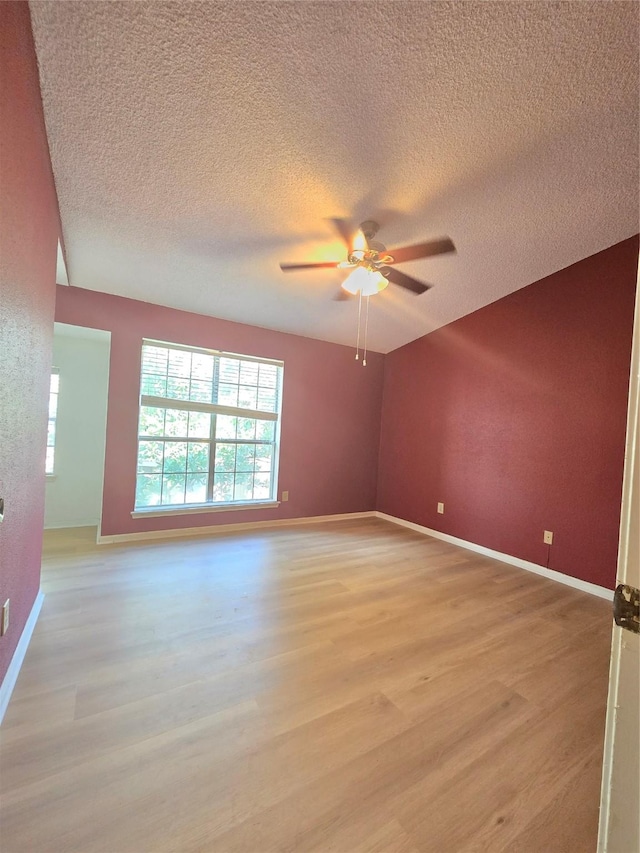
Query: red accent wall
x=330, y=422
x=515, y=416
x=29, y=229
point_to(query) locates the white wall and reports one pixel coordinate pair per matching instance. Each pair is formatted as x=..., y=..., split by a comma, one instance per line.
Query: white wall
x=74, y=493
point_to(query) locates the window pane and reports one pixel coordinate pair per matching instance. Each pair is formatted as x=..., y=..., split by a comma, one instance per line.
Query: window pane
x=229, y=370
x=150, y=457
x=154, y=359
x=176, y=424
x=244, y=457
x=199, y=425
x=155, y=386
x=151, y=421
x=177, y=388
x=267, y=399
x=223, y=487
x=173, y=488
x=228, y=395
x=201, y=392
x=179, y=363
x=262, y=486
x=196, y=488
x=53, y=405
x=268, y=375
x=226, y=426
x=264, y=455
x=55, y=383
x=265, y=430
x=249, y=373
x=51, y=433
x=225, y=457
x=243, y=490
x=246, y=428
x=148, y=488
x=198, y=458
x=247, y=397
x=202, y=367
x=49, y=461
x=175, y=457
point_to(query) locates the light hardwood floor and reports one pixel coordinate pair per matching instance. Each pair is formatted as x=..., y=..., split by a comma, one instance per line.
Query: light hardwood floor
x=349, y=686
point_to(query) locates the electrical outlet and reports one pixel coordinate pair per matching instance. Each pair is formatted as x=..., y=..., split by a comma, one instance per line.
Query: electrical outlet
x=285, y=496
x=548, y=537
x=441, y=508
x=4, y=627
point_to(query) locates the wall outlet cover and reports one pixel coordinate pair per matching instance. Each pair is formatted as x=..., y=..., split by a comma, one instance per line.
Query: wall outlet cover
x=440, y=507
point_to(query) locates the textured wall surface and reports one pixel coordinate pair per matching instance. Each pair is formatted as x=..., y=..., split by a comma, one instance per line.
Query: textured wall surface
x=29, y=229
x=74, y=495
x=515, y=418
x=195, y=145
x=330, y=417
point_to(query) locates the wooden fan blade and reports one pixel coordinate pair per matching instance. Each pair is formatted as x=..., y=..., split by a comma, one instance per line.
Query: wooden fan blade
x=323, y=265
x=344, y=230
x=341, y=296
x=402, y=280
x=422, y=250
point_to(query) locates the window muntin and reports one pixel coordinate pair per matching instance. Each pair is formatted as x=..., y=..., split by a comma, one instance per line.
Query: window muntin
x=208, y=429
x=54, y=387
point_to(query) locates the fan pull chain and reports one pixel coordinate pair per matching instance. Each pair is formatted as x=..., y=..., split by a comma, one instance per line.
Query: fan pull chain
x=359, y=315
x=366, y=329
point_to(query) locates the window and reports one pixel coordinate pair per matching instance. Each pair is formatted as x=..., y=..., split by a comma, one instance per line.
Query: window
x=209, y=428
x=51, y=428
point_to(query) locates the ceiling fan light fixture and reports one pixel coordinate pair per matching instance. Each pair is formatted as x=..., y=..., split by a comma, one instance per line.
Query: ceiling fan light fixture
x=355, y=281
x=366, y=281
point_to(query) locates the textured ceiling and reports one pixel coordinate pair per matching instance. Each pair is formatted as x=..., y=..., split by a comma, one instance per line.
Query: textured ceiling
x=196, y=145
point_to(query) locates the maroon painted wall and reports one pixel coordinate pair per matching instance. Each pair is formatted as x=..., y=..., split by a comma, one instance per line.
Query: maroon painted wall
x=330, y=420
x=514, y=416
x=29, y=230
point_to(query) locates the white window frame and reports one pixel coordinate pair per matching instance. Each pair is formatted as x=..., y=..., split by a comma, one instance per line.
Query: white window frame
x=147, y=400
x=52, y=473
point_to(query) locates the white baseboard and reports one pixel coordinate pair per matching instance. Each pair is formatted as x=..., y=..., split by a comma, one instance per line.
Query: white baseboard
x=576, y=583
x=180, y=532
x=9, y=681
x=65, y=525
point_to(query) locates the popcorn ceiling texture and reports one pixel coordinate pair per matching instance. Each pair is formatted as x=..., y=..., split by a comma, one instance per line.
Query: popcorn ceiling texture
x=195, y=145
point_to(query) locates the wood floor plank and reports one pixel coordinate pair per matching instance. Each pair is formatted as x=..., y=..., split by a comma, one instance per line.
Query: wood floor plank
x=346, y=687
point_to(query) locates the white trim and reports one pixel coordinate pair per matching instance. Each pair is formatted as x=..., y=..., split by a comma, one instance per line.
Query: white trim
x=576, y=583
x=210, y=530
x=160, y=512
x=64, y=525
x=11, y=676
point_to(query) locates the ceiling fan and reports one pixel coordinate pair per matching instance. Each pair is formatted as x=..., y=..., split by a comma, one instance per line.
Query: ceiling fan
x=371, y=265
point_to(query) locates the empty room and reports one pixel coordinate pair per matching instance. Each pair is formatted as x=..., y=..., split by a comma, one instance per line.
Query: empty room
x=319, y=485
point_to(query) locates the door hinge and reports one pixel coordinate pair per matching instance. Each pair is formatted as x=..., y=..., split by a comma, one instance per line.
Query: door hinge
x=626, y=607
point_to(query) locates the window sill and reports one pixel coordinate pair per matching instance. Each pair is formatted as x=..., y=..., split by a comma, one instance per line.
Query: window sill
x=158, y=512
x=50, y=476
